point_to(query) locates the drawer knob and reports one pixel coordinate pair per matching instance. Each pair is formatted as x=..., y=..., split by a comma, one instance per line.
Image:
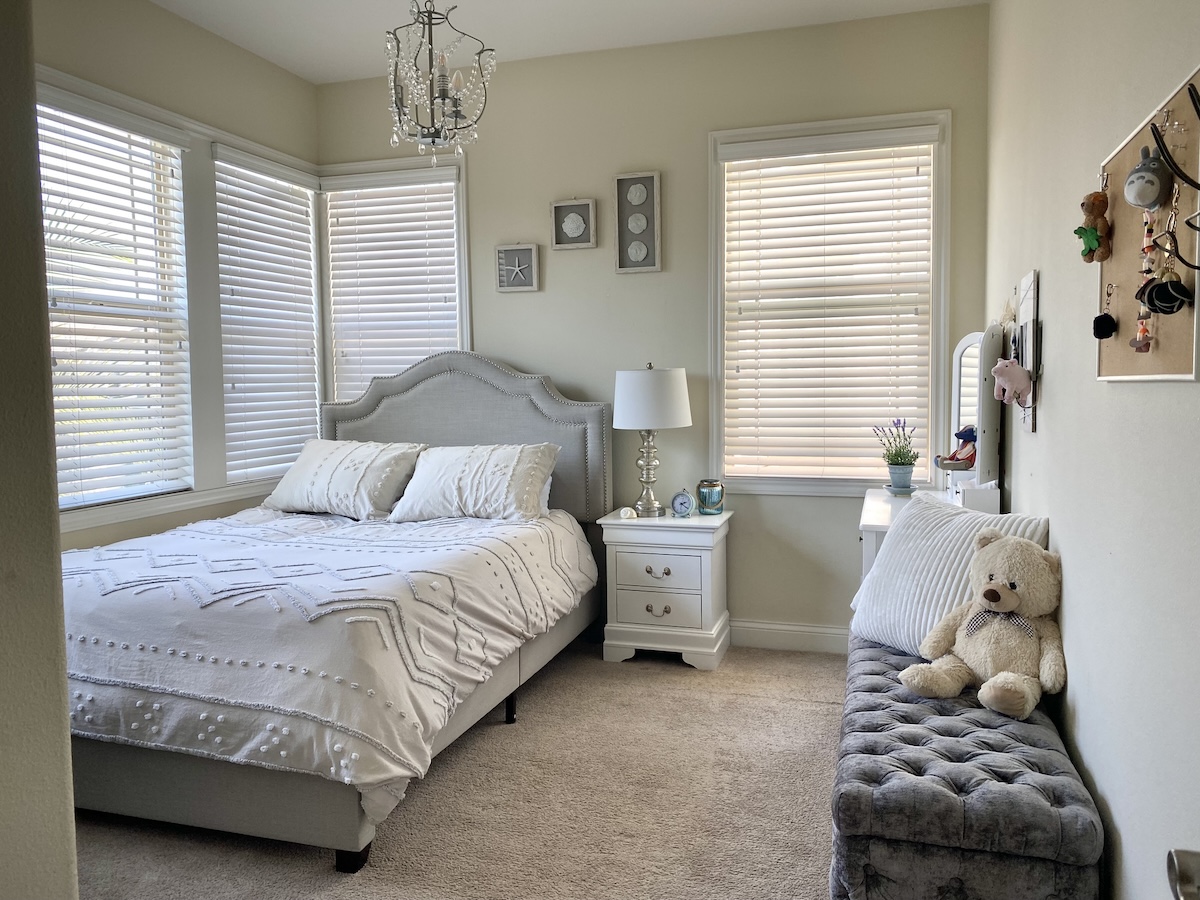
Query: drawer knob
x=650, y=609
x=665, y=572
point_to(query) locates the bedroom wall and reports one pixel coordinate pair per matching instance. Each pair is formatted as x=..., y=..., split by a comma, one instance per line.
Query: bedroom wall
x=37, y=825
x=145, y=52
x=1109, y=462
x=562, y=127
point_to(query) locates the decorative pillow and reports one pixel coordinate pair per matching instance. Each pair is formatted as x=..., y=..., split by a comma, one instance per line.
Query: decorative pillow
x=921, y=571
x=492, y=481
x=359, y=479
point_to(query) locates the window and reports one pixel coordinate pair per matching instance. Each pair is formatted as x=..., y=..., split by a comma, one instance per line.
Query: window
x=265, y=240
x=113, y=215
x=394, y=274
x=188, y=373
x=828, y=290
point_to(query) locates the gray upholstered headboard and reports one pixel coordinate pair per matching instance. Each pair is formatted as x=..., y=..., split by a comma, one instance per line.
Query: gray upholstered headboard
x=459, y=399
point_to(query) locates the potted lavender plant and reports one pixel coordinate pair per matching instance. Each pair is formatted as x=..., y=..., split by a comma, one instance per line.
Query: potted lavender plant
x=898, y=453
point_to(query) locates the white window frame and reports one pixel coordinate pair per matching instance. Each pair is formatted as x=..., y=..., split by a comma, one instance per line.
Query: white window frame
x=825, y=136
x=201, y=263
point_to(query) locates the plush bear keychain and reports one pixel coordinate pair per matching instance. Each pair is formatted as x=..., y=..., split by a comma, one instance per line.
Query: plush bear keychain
x=1094, y=232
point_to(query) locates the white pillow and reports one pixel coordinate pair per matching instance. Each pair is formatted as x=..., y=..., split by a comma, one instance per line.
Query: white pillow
x=922, y=569
x=492, y=481
x=359, y=479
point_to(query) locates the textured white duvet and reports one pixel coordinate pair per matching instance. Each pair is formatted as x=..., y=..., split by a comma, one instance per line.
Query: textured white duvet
x=309, y=643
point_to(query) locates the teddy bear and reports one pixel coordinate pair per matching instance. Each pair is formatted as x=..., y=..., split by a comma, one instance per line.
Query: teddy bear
x=1004, y=639
x=1013, y=382
x=1094, y=232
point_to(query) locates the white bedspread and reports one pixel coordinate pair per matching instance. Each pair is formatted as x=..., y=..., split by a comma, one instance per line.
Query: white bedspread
x=309, y=643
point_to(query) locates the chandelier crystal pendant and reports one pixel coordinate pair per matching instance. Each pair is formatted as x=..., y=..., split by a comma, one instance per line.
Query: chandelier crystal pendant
x=431, y=107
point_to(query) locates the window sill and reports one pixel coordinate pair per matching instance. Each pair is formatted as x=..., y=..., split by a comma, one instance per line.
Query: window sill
x=808, y=487
x=129, y=510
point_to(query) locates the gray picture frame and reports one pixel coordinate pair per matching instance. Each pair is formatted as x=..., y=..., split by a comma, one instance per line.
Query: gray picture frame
x=517, y=267
x=638, y=215
x=562, y=213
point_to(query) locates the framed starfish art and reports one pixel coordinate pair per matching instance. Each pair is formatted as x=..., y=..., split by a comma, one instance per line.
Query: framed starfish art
x=517, y=267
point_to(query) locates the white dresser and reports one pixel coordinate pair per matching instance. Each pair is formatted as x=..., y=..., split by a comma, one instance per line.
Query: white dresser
x=666, y=587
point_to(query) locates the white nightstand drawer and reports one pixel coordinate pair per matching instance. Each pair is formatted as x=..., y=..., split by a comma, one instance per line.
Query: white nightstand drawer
x=658, y=570
x=677, y=610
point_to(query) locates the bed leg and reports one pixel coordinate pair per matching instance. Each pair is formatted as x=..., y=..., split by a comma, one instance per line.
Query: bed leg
x=510, y=708
x=350, y=861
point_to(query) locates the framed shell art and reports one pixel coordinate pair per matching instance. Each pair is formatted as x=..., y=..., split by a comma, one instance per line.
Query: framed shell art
x=573, y=224
x=517, y=267
x=638, y=214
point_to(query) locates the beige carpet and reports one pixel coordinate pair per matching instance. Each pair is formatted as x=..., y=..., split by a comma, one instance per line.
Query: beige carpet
x=623, y=781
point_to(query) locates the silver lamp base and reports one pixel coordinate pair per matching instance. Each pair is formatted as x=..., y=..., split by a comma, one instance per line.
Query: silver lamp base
x=647, y=506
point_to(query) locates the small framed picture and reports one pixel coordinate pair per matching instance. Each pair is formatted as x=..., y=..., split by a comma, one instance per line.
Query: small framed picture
x=639, y=247
x=517, y=267
x=574, y=223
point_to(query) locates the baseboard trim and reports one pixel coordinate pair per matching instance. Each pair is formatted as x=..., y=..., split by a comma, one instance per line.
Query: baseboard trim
x=788, y=636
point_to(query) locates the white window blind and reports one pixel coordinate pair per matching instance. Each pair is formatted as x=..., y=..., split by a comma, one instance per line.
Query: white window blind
x=113, y=217
x=825, y=305
x=265, y=238
x=393, y=278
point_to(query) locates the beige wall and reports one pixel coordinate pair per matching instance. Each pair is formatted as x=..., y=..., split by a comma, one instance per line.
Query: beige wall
x=562, y=127
x=37, y=827
x=1110, y=463
x=145, y=52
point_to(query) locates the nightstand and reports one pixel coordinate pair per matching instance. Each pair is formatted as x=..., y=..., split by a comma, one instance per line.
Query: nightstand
x=666, y=587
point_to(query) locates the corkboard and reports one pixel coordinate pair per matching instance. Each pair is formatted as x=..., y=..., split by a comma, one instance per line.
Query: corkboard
x=1172, y=354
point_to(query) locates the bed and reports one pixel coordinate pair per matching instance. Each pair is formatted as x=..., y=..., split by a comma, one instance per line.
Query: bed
x=262, y=564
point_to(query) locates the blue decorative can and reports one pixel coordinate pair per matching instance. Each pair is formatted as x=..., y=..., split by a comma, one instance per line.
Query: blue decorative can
x=710, y=494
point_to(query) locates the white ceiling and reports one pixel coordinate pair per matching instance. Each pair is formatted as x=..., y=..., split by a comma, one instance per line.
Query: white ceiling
x=340, y=40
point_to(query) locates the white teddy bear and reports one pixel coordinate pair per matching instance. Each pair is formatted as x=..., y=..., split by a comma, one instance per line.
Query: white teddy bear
x=1004, y=639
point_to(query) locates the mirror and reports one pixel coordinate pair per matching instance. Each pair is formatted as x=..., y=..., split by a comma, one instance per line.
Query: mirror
x=973, y=401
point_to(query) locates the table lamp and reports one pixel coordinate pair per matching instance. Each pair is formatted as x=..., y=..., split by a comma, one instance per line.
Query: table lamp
x=646, y=400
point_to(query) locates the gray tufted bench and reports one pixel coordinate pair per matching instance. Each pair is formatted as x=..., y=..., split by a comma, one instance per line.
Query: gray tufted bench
x=946, y=800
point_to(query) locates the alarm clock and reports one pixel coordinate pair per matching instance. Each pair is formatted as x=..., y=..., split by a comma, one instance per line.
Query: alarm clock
x=683, y=504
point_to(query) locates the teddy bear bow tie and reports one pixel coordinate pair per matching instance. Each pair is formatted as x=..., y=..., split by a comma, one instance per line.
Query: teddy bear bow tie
x=980, y=618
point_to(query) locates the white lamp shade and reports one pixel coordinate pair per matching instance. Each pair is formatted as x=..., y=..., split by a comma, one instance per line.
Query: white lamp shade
x=651, y=399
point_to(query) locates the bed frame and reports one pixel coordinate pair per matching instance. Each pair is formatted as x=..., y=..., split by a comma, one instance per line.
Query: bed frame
x=450, y=399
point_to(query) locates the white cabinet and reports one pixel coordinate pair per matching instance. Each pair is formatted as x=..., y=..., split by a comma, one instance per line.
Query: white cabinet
x=666, y=587
x=878, y=510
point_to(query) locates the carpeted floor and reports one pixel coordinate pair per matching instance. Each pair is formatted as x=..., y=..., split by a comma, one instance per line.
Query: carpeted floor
x=641, y=780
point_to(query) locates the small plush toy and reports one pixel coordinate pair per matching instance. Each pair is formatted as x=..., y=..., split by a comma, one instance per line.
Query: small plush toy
x=1004, y=640
x=964, y=455
x=1149, y=183
x=1094, y=232
x=1013, y=382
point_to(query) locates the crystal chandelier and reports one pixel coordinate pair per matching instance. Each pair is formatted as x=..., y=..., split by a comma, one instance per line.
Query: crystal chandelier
x=429, y=106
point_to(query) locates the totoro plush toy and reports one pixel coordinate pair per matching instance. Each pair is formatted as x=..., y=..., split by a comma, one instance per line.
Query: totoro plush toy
x=1150, y=181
